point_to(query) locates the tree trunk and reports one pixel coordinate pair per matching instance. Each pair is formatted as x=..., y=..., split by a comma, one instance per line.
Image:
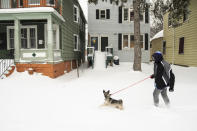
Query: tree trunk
x=137, y=47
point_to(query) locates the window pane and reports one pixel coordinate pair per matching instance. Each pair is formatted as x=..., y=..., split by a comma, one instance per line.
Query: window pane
x=34, y=2
x=141, y=41
x=24, y=38
x=11, y=33
x=125, y=14
x=11, y=43
x=32, y=38
x=131, y=41
x=131, y=15
x=141, y=17
x=21, y=3
x=75, y=13
x=181, y=45
x=102, y=14
x=76, y=42
x=125, y=41
x=50, y=2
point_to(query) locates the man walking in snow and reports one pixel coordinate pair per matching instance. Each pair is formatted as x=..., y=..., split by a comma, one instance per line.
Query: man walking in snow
x=163, y=78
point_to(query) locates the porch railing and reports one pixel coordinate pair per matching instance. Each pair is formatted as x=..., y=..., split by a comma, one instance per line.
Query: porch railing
x=7, y=4
x=5, y=64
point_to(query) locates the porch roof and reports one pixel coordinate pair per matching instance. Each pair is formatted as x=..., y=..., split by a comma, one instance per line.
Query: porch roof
x=31, y=10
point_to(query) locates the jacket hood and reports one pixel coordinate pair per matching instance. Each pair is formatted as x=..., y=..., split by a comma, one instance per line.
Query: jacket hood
x=157, y=57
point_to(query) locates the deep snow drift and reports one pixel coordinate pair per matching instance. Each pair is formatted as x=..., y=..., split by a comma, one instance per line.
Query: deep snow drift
x=68, y=103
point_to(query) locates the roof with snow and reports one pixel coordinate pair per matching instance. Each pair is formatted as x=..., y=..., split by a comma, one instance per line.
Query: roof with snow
x=158, y=35
x=31, y=10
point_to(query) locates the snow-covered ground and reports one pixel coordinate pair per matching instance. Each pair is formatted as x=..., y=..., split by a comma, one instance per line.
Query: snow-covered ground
x=68, y=103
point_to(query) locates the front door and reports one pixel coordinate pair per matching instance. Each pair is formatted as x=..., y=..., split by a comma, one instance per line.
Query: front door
x=94, y=42
x=104, y=43
x=4, y=4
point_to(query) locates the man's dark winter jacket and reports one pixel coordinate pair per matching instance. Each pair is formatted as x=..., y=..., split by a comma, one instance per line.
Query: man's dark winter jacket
x=162, y=72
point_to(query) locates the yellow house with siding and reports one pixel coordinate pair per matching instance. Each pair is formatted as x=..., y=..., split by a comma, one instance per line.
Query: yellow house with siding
x=181, y=42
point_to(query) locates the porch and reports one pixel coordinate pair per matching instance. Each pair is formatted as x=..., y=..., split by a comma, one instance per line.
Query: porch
x=38, y=40
x=32, y=39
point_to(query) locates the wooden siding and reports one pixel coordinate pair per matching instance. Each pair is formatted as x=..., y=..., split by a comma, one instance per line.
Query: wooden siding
x=157, y=45
x=188, y=30
x=69, y=28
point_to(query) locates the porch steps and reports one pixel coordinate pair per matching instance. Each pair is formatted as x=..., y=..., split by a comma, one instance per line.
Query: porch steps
x=99, y=60
x=7, y=67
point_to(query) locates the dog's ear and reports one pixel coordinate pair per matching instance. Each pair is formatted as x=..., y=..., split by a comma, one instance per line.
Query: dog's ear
x=103, y=91
x=108, y=91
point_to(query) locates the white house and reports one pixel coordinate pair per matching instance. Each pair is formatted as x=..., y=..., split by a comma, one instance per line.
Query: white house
x=113, y=25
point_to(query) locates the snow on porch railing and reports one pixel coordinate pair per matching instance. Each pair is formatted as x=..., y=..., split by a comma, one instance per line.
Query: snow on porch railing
x=5, y=64
x=6, y=4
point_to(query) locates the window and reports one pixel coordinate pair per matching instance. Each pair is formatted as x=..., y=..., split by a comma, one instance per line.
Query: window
x=102, y=14
x=181, y=45
x=125, y=13
x=131, y=41
x=185, y=16
x=50, y=2
x=76, y=42
x=76, y=14
x=125, y=41
x=128, y=15
x=34, y=2
x=169, y=20
x=127, y=38
x=164, y=47
x=28, y=37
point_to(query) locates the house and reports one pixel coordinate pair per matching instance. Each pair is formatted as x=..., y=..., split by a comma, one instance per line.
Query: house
x=113, y=25
x=157, y=44
x=181, y=41
x=46, y=36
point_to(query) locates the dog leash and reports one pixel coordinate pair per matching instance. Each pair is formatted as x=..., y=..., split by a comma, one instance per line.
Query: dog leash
x=130, y=86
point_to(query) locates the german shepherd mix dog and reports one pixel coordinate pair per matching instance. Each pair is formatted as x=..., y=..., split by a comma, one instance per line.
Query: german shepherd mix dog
x=112, y=102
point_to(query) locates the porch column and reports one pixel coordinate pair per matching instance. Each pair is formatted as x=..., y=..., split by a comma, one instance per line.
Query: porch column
x=50, y=39
x=17, y=40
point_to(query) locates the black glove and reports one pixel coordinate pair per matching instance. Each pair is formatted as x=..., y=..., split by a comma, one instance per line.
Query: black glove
x=171, y=89
x=152, y=76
